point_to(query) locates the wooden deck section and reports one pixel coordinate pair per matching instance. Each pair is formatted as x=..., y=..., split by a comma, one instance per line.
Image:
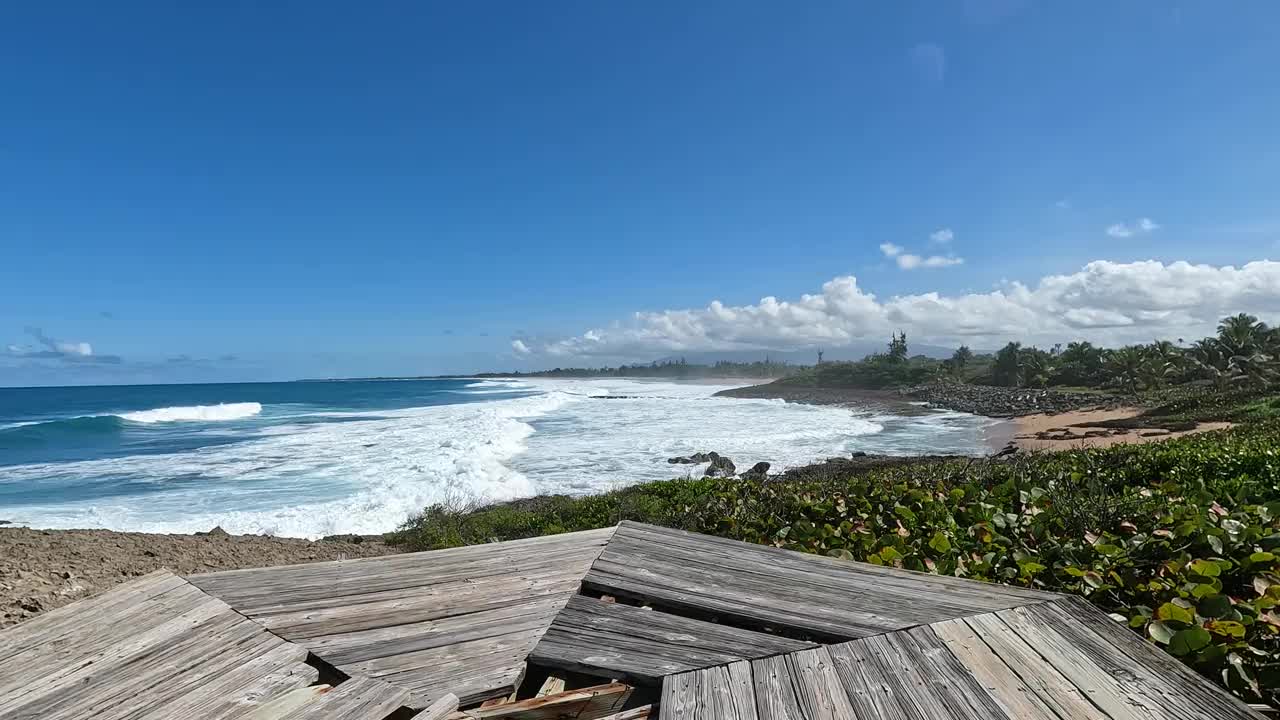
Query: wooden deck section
x=458, y=621
x=725, y=629
x=1058, y=660
x=767, y=588
x=644, y=646
x=159, y=648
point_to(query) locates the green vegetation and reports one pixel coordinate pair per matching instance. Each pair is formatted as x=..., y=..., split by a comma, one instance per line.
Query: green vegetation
x=1245, y=354
x=668, y=369
x=1179, y=540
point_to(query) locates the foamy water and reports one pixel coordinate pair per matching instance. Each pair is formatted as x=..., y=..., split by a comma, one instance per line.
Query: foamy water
x=288, y=470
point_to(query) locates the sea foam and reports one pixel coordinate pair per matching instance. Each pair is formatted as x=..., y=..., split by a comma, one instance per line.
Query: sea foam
x=366, y=472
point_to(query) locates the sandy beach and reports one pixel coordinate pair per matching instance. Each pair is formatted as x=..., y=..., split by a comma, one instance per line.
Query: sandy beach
x=1079, y=429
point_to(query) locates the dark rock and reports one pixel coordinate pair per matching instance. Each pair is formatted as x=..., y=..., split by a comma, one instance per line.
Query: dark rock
x=760, y=468
x=858, y=454
x=721, y=467
x=694, y=459
x=1097, y=433
x=1154, y=433
x=217, y=531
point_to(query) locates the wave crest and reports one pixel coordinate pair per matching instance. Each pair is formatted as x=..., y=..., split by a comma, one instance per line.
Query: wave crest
x=198, y=413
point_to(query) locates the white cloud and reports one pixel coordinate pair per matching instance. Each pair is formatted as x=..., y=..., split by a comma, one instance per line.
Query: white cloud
x=521, y=348
x=908, y=261
x=1103, y=302
x=1123, y=230
x=942, y=237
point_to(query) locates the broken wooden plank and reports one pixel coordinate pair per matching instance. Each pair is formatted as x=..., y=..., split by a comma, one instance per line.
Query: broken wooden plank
x=644, y=646
x=552, y=685
x=583, y=704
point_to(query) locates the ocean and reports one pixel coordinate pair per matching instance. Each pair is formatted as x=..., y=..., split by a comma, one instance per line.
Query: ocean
x=308, y=459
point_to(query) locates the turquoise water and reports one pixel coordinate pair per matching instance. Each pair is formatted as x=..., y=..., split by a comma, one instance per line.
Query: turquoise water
x=315, y=458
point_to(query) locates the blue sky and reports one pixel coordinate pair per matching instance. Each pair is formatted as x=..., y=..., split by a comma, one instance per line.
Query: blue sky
x=292, y=189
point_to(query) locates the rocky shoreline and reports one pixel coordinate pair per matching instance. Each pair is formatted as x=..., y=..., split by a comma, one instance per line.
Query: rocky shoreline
x=882, y=400
x=1002, y=402
x=991, y=401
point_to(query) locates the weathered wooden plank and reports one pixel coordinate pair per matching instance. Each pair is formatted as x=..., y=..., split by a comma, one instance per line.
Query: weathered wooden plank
x=1001, y=682
x=618, y=640
x=817, y=687
x=841, y=572
x=908, y=688
x=1050, y=686
x=439, y=709
x=869, y=693
x=153, y=649
x=644, y=712
x=1184, y=681
x=474, y=670
x=552, y=685
x=715, y=694
x=1123, y=656
x=262, y=590
x=753, y=585
x=355, y=699
x=282, y=705
x=50, y=629
x=460, y=620
x=366, y=647
x=742, y=686
x=1118, y=697
x=585, y=703
x=679, y=697
x=959, y=690
x=775, y=690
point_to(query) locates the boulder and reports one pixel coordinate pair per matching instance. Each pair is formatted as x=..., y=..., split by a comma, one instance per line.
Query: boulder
x=720, y=467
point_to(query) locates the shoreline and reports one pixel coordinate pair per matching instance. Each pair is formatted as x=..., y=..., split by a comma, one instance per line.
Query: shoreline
x=42, y=569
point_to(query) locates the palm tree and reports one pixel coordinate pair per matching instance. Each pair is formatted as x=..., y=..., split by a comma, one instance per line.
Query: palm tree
x=1241, y=334
x=1126, y=367
x=1036, y=367
x=1211, y=362
x=1008, y=365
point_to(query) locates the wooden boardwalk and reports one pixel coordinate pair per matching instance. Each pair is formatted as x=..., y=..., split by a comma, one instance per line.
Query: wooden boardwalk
x=159, y=648
x=599, y=625
x=1058, y=660
x=762, y=587
x=458, y=621
x=644, y=646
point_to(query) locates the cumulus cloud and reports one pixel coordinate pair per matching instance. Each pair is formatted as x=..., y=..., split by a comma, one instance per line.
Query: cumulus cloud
x=1104, y=302
x=942, y=237
x=908, y=261
x=522, y=349
x=1123, y=230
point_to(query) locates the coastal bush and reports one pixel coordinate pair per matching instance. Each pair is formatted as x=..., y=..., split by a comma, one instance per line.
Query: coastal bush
x=1179, y=540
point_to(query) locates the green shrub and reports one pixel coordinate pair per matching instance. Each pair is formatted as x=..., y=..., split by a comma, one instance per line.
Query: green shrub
x=1179, y=539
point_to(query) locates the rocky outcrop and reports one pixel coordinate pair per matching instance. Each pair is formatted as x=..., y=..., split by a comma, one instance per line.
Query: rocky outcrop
x=1008, y=402
x=720, y=466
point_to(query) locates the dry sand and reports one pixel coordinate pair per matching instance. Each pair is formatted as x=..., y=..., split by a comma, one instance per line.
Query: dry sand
x=44, y=569
x=1072, y=430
